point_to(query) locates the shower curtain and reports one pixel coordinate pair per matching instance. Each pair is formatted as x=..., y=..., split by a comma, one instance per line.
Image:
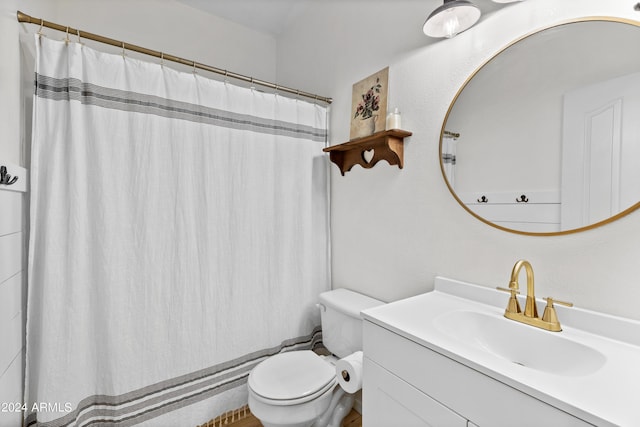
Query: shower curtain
x=178, y=236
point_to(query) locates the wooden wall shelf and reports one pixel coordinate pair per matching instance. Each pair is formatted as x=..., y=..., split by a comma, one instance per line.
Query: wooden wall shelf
x=369, y=150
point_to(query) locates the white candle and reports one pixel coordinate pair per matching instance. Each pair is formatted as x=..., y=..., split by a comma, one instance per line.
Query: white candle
x=394, y=120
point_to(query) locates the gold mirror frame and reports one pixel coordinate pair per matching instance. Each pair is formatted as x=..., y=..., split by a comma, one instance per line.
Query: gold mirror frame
x=464, y=85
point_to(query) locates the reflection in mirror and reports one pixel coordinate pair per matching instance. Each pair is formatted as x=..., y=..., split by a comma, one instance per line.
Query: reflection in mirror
x=545, y=136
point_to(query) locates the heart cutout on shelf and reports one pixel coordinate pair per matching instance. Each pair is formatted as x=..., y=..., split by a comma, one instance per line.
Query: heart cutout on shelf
x=367, y=155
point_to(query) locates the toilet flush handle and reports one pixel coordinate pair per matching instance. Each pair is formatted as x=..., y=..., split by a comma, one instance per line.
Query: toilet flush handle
x=321, y=307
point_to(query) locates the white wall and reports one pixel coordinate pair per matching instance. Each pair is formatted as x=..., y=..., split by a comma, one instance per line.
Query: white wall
x=394, y=230
x=12, y=222
x=171, y=27
x=12, y=281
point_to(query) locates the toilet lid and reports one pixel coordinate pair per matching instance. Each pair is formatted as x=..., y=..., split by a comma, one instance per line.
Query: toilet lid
x=292, y=375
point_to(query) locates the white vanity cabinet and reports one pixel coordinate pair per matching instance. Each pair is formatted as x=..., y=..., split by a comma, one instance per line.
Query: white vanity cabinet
x=391, y=401
x=407, y=384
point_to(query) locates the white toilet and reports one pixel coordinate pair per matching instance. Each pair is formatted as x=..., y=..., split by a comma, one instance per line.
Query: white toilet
x=299, y=388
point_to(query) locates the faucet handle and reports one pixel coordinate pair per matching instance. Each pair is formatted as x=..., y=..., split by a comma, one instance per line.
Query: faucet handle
x=550, y=301
x=512, y=306
x=550, y=314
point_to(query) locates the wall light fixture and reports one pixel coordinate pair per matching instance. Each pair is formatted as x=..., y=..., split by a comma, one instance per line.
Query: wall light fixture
x=453, y=17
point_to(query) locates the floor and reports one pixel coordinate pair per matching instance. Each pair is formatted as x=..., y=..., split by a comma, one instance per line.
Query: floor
x=246, y=419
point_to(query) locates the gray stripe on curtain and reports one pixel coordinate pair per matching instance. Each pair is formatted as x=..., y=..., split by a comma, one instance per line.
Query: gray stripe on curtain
x=172, y=394
x=67, y=89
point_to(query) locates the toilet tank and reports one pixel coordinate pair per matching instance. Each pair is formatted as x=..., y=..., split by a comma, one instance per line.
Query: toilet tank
x=341, y=321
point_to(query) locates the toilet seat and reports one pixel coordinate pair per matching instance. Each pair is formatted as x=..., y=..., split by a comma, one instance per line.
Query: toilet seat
x=292, y=378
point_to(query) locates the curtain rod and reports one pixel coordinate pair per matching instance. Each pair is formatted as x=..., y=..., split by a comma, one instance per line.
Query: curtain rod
x=22, y=17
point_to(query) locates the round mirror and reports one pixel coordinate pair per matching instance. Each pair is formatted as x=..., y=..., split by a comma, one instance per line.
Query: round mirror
x=544, y=138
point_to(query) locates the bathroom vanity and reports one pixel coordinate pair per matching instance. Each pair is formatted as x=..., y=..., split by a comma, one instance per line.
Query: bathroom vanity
x=450, y=358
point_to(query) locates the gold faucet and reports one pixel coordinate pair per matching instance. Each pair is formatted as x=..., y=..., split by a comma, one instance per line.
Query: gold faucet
x=549, y=320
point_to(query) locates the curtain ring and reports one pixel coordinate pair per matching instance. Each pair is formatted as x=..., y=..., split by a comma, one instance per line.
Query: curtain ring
x=66, y=39
x=162, y=59
x=194, y=67
x=41, y=25
x=79, y=39
x=123, y=50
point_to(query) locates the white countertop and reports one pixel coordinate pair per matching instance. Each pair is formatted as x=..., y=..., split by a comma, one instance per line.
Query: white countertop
x=609, y=396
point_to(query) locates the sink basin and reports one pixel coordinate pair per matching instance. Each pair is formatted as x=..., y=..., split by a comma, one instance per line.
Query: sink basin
x=520, y=344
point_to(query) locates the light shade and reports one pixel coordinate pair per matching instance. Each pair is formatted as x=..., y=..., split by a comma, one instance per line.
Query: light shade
x=453, y=17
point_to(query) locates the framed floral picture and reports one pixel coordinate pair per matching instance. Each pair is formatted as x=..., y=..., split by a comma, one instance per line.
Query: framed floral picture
x=369, y=104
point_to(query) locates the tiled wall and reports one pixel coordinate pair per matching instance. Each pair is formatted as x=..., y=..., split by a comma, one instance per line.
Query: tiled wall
x=12, y=296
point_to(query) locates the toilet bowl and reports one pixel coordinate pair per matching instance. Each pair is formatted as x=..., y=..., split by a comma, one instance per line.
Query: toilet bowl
x=300, y=388
x=296, y=398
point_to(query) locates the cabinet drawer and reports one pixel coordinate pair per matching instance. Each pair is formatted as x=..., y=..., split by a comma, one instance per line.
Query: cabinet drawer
x=390, y=401
x=476, y=396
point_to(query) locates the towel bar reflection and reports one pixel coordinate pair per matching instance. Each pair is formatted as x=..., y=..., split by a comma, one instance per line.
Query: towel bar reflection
x=5, y=178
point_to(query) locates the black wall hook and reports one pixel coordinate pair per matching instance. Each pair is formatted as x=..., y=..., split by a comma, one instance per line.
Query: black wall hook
x=523, y=199
x=483, y=199
x=5, y=178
